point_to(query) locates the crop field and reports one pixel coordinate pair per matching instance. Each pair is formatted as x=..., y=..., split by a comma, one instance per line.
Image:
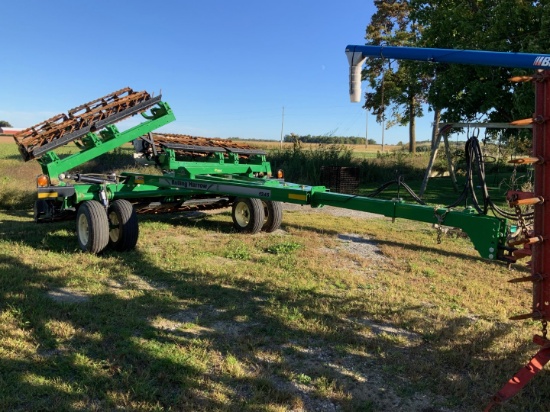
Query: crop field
x=359, y=151
x=336, y=311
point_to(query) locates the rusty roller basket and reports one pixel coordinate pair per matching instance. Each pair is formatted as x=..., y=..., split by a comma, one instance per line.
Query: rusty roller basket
x=61, y=129
x=185, y=145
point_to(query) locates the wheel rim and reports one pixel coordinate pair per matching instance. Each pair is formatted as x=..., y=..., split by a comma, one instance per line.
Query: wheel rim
x=242, y=214
x=266, y=211
x=83, y=230
x=114, y=231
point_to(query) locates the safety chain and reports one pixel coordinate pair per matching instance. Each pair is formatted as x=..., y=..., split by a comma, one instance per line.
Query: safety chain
x=440, y=219
x=544, y=329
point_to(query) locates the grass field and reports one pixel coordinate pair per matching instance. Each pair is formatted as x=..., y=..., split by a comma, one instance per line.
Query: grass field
x=330, y=313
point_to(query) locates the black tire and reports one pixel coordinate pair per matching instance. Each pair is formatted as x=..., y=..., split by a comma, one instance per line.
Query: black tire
x=123, y=225
x=248, y=215
x=273, y=212
x=92, y=227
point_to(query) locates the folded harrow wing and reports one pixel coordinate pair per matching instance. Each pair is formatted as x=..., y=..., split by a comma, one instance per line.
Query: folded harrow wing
x=89, y=117
x=153, y=145
x=531, y=242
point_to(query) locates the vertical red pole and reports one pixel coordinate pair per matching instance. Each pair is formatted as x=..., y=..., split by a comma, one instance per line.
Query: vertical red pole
x=540, y=258
x=540, y=262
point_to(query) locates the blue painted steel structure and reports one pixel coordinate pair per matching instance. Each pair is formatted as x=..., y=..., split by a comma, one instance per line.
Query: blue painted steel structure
x=358, y=54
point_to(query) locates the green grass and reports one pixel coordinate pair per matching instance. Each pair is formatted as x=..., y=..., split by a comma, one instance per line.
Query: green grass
x=199, y=317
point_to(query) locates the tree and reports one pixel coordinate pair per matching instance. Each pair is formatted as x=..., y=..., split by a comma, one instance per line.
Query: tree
x=470, y=92
x=3, y=123
x=400, y=85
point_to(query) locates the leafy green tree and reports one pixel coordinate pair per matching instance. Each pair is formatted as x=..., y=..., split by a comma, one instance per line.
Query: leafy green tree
x=3, y=123
x=399, y=84
x=470, y=92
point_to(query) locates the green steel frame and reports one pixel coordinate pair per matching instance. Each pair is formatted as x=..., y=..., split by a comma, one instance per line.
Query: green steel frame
x=226, y=174
x=108, y=139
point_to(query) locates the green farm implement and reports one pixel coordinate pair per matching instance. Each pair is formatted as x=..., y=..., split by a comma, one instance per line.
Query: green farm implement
x=198, y=173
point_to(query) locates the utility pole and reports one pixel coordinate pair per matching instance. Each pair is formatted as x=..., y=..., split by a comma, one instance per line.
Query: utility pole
x=282, y=127
x=367, y=128
x=383, y=127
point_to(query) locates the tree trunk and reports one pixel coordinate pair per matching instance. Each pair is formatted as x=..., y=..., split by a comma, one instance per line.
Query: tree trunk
x=436, y=139
x=433, y=156
x=435, y=128
x=412, y=125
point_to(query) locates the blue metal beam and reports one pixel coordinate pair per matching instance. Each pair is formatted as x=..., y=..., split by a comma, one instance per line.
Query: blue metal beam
x=358, y=54
x=476, y=57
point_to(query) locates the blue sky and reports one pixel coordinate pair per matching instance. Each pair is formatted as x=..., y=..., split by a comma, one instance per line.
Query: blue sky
x=226, y=68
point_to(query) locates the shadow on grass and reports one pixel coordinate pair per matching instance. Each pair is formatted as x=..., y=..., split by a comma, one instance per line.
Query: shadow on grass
x=12, y=157
x=220, y=222
x=180, y=340
x=15, y=199
x=104, y=365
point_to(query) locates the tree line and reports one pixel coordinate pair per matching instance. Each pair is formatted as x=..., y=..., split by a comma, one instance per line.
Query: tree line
x=294, y=138
x=399, y=91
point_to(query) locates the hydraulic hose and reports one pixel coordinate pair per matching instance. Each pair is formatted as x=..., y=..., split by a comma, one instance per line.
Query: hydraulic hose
x=475, y=165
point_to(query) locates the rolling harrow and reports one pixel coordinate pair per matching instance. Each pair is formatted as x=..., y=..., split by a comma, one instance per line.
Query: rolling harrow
x=155, y=144
x=61, y=129
x=197, y=173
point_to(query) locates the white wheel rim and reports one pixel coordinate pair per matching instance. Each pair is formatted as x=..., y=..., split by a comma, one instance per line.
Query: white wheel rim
x=114, y=232
x=83, y=229
x=242, y=214
x=266, y=211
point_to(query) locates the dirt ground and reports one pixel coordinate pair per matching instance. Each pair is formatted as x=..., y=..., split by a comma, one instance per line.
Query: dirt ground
x=330, y=210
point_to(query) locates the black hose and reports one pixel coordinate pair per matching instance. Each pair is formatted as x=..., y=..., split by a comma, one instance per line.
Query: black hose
x=400, y=183
x=474, y=160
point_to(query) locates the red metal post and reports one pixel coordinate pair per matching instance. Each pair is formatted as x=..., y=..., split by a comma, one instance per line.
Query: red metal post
x=540, y=251
x=540, y=262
